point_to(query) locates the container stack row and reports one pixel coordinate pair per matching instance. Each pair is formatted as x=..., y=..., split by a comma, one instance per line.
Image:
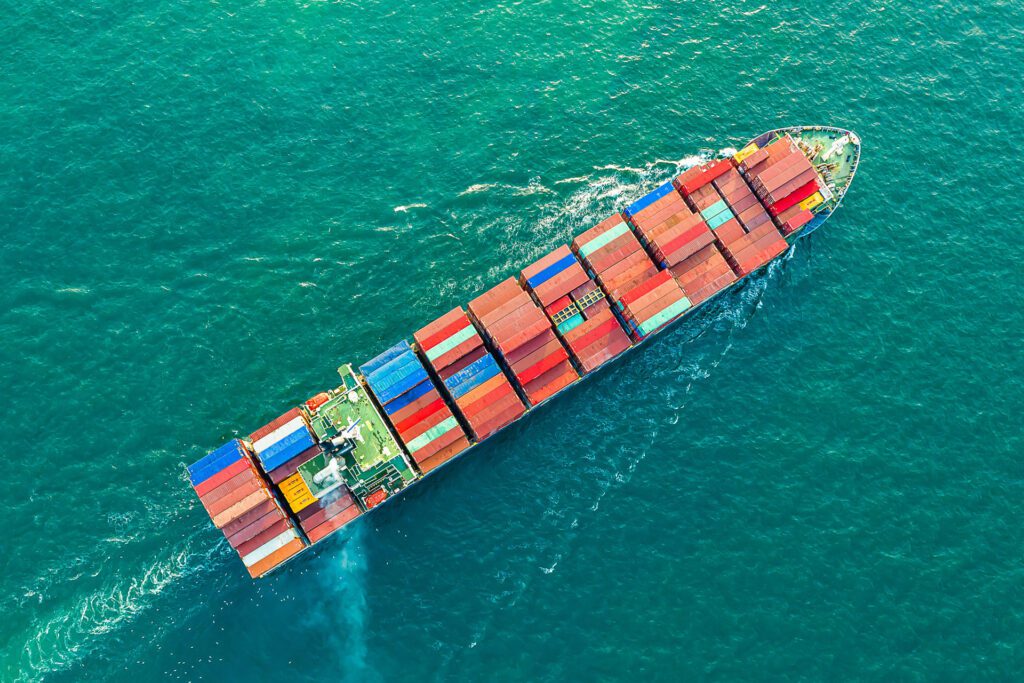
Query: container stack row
x=471, y=375
x=524, y=336
x=416, y=409
x=613, y=256
x=652, y=304
x=785, y=181
x=747, y=239
x=283, y=444
x=323, y=516
x=577, y=307
x=241, y=505
x=667, y=227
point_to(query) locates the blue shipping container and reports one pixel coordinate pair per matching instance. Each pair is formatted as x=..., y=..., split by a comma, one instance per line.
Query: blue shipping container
x=645, y=201
x=389, y=355
x=206, y=467
x=551, y=271
x=408, y=397
x=286, y=449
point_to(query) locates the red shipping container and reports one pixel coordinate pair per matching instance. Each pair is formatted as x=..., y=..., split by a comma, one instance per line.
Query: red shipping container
x=432, y=420
x=511, y=325
x=440, y=443
x=333, y=502
x=232, y=470
x=505, y=310
x=542, y=366
x=461, y=351
x=756, y=221
x=486, y=408
x=753, y=251
x=443, y=455
x=437, y=406
x=250, y=516
x=559, y=304
x=653, y=308
x=614, y=287
x=596, y=231
x=425, y=336
x=319, y=515
x=507, y=411
x=635, y=310
x=551, y=382
x=566, y=281
x=648, y=219
x=232, y=484
x=797, y=222
x=613, y=252
x=705, y=293
x=538, y=354
x=330, y=526
x=754, y=159
x=671, y=199
x=479, y=392
x=530, y=347
x=659, y=279
x=778, y=174
x=600, y=330
x=638, y=257
x=268, y=534
x=730, y=231
x=614, y=338
x=684, y=248
x=494, y=297
x=603, y=350
x=444, y=333
x=499, y=421
x=233, y=496
x=524, y=335
x=792, y=186
x=405, y=412
x=794, y=198
x=473, y=410
x=698, y=176
x=256, y=527
x=667, y=230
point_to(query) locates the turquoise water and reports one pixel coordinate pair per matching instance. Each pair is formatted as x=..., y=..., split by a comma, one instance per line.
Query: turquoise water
x=207, y=207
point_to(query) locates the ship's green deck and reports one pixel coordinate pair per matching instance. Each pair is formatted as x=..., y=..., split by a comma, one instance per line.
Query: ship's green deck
x=376, y=461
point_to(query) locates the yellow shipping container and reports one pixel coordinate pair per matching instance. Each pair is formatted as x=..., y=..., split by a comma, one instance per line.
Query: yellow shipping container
x=811, y=202
x=745, y=152
x=297, y=493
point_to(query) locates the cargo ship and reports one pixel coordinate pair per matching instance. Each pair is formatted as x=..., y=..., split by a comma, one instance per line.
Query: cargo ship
x=401, y=415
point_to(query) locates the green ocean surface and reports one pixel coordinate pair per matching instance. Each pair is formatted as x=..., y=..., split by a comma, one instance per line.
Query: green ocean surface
x=208, y=206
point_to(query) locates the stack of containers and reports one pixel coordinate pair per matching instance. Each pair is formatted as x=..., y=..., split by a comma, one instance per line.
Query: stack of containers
x=320, y=518
x=580, y=312
x=704, y=274
x=652, y=304
x=420, y=416
x=747, y=240
x=523, y=334
x=283, y=444
x=454, y=349
x=241, y=505
x=785, y=181
x=613, y=256
x=667, y=227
